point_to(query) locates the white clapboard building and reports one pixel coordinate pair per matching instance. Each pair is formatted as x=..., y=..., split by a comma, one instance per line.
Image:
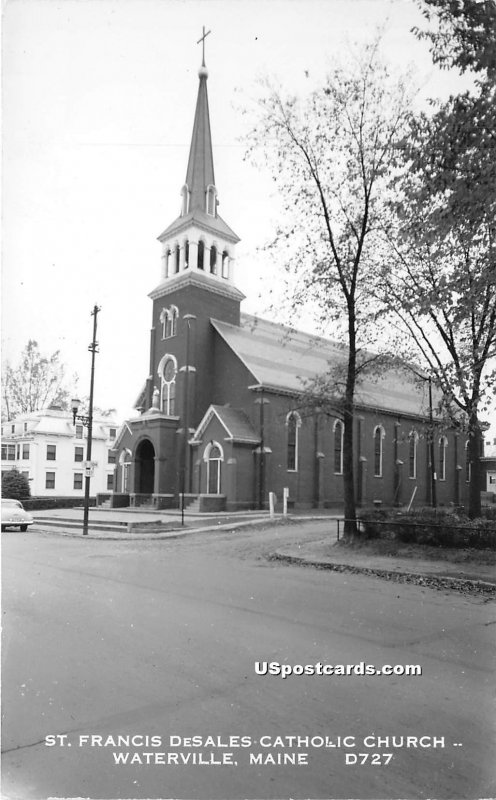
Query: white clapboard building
x=51, y=451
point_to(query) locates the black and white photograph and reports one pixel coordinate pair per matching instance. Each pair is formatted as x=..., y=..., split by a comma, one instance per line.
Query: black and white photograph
x=248, y=345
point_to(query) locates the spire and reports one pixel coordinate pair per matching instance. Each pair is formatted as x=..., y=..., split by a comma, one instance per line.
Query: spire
x=198, y=223
x=200, y=172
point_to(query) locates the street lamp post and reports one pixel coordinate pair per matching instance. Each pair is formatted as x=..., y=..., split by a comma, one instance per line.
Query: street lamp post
x=87, y=421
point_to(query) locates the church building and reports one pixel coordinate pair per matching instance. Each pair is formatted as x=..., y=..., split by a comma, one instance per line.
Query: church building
x=219, y=422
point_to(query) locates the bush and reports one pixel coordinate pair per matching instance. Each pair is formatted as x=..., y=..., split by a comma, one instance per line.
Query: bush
x=489, y=512
x=39, y=503
x=15, y=485
x=437, y=528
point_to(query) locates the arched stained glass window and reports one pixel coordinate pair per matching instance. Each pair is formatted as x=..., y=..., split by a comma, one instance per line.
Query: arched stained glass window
x=338, y=429
x=468, y=463
x=443, y=443
x=168, y=371
x=293, y=423
x=412, y=454
x=378, y=437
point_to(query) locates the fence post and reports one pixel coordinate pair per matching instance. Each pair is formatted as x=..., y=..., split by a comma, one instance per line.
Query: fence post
x=285, y=494
x=272, y=502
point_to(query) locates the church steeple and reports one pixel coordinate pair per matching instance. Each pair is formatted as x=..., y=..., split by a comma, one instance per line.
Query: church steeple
x=199, y=240
x=200, y=180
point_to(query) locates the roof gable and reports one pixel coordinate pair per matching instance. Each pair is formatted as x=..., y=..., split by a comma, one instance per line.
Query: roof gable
x=234, y=421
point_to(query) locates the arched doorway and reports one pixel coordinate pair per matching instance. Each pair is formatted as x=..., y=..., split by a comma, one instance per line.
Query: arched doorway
x=145, y=467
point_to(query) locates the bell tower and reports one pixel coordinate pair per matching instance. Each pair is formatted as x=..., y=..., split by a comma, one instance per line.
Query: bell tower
x=196, y=282
x=198, y=248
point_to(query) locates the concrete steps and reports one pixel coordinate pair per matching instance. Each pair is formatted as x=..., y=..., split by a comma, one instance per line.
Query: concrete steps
x=193, y=505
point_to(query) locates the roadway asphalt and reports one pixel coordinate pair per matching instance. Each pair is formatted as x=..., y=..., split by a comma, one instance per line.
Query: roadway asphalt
x=128, y=523
x=160, y=637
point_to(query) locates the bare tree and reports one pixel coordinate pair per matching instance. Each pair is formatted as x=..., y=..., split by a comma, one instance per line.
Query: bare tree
x=332, y=156
x=35, y=383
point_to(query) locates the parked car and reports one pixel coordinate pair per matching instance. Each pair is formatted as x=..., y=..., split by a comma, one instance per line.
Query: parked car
x=14, y=515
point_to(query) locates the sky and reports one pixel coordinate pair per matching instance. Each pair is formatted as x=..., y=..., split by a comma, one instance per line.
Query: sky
x=98, y=105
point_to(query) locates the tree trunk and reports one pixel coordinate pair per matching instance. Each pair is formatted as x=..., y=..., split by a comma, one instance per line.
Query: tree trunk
x=474, y=454
x=350, y=529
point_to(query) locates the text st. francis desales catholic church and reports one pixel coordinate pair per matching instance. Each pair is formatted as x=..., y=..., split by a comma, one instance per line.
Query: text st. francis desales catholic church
x=219, y=418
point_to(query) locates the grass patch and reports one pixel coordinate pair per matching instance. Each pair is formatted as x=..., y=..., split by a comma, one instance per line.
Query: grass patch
x=397, y=549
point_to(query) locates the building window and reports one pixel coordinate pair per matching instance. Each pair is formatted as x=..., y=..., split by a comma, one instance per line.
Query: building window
x=213, y=260
x=112, y=433
x=78, y=453
x=211, y=200
x=174, y=313
x=412, y=454
x=110, y=482
x=12, y=428
x=338, y=430
x=168, y=318
x=185, y=195
x=468, y=463
x=78, y=480
x=125, y=459
x=79, y=431
x=213, y=456
x=167, y=370
x=111, y=457
x=50, y=480
x=25, y=427
x=293, y=423
x=201, y=254
x=8, y=452
x=443, y=443
x=25, y=451
x=225, y=264
x=51, y=452
x=379, y=434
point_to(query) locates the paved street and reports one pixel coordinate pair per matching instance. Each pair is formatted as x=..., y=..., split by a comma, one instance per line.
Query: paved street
x=160, y=638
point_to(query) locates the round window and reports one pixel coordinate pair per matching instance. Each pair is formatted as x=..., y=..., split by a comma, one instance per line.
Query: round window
x=169, y=371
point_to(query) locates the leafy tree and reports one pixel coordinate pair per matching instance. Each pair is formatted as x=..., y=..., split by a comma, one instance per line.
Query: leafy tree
x=332, y=156
x=35, y=383
x=15, y=485
x=463, y=33
x=441, y=279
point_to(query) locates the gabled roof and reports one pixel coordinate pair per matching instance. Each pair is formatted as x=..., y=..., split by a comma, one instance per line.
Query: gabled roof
x=235, y=422
x=281, y=359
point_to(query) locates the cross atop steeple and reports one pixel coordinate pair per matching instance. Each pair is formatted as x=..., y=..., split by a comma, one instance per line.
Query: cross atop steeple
x=202, y=40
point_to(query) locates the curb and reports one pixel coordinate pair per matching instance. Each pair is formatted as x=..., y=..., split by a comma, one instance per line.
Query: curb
x=428, y=579
x=174, y=533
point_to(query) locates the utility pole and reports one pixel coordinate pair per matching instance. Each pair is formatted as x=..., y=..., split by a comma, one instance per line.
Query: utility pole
x=87, y=421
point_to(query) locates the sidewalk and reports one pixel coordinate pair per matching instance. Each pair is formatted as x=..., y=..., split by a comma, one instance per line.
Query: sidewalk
x=130, y=523
x=474, y=577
